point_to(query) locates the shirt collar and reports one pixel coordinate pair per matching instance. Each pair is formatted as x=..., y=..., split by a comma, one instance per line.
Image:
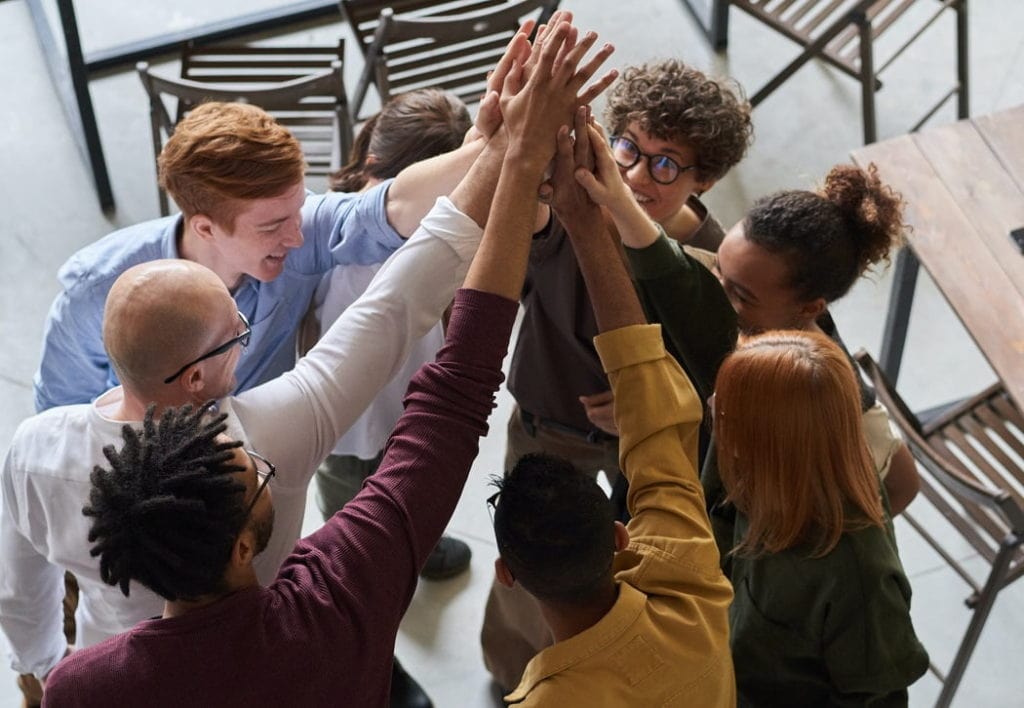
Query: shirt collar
x=566, y=654
x=169, y=242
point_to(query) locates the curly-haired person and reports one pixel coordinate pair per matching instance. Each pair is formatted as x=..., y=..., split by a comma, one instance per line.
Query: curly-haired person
x=676, y=131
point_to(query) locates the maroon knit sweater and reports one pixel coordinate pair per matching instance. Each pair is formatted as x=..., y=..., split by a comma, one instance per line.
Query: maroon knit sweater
x=323, y=633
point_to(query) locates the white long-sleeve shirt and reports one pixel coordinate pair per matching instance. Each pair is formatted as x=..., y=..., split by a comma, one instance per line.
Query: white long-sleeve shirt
x=366, y=436
x=294, y=421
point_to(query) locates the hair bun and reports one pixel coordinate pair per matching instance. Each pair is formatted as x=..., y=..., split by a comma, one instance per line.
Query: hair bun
x=871, y=207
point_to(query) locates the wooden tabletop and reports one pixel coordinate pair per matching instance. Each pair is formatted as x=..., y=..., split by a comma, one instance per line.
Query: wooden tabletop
x=964, y=188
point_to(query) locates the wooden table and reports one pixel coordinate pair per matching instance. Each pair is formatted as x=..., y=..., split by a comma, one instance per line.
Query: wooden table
x=964, y=188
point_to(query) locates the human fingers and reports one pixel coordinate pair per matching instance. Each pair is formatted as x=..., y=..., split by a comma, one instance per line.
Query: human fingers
x=549, y=51
x=572, y=55
x=517, y=46
x=488, y=115
x=597, y=399
x=582, y=152
x=583, y=75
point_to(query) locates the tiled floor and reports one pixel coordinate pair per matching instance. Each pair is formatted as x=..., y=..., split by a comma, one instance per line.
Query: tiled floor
x=48, y=210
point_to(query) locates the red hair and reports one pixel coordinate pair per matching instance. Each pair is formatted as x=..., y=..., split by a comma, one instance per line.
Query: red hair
x=791, y=446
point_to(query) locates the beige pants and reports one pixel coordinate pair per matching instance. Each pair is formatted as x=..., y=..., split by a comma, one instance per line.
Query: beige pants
x=514, y=630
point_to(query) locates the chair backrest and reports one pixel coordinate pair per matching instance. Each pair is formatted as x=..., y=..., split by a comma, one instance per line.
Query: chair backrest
x=414, y=44
x=303, y=88
x=973, y=481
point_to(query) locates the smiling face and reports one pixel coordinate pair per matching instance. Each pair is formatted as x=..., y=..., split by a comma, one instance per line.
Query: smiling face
x=263, y=233
x=662, y=202
x=756, y=282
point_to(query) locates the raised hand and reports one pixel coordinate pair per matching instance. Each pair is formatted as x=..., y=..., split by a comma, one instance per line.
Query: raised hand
x=488, y=116
x=563, y=192
x=538, y=97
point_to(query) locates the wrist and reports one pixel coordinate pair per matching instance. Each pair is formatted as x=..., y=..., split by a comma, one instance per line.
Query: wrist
x=635, y=227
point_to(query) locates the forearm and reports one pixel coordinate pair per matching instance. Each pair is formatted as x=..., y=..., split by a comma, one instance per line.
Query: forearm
x=604, y=272
x=418, y=186
x=31, y=591
x=688, y=301
x=500, y=265
x=384, y=535
x=473, y=194
x=658, y=415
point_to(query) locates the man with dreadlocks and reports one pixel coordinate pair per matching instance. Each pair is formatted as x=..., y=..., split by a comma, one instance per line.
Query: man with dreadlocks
x=183, y=507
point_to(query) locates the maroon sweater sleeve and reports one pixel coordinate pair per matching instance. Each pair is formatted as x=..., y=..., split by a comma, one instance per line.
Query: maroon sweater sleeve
x=369, y=554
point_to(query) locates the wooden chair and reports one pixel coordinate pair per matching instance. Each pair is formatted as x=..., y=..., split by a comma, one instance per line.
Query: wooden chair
x=972, y=453
x=302, y=87
x=414, y=44
x=842, y=33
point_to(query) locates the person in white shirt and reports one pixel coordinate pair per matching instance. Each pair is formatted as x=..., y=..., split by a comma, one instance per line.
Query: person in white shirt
x=412, y=126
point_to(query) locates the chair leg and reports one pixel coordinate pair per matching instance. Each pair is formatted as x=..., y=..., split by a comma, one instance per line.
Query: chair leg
x=982, y=610
x=962, y=65
x=719, y=25
x=867, y=79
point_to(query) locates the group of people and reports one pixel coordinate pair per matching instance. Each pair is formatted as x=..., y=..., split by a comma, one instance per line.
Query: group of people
x=200, y=370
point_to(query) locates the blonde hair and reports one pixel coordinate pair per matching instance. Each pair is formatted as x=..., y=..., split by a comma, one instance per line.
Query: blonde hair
x=791, y=446
x=223, y=154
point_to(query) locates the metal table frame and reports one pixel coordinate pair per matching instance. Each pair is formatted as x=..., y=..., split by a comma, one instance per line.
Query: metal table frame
x=70, y=70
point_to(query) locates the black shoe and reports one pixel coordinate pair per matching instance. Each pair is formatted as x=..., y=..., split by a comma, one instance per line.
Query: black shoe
x=449, y=558
x=405, y=692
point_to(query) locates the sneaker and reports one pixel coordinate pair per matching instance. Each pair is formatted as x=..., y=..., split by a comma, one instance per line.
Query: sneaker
x=449, y=558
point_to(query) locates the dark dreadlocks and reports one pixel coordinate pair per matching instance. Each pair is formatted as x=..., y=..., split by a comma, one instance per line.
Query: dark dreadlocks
x=168, y=511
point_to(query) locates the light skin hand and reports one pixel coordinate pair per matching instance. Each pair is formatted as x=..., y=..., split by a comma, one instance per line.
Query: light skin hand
x=568, y=198
x=605, y=186
x=488, y=116
x=600, y=410
x=534, y=107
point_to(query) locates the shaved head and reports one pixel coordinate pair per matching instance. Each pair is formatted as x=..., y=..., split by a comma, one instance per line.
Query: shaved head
x=159, y=316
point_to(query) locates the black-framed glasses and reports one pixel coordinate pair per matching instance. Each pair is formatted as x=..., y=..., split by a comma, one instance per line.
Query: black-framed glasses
x=265, y=470
x=662, y=168
x=242, y=340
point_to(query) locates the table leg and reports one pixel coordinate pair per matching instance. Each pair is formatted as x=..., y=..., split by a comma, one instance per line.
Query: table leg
x=901, y=297
x=71, y=79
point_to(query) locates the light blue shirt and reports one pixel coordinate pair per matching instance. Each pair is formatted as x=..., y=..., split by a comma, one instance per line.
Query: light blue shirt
x=339, y=229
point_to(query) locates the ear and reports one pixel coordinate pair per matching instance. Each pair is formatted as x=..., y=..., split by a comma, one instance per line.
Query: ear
x=202, y=226
x=704, y=186
x=371, y=159
x=814, y=309
x=502, y=573
x=193, y=382
x=621, y=536
x=244, y=549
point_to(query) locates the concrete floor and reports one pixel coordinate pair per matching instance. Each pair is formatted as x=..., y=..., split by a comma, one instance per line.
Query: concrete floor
x=49, y=210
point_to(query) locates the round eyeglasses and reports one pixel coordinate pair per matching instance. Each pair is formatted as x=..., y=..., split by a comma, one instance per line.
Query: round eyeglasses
x=662, y=168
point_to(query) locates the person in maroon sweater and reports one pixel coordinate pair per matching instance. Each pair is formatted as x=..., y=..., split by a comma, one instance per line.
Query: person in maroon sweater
x=183, y=509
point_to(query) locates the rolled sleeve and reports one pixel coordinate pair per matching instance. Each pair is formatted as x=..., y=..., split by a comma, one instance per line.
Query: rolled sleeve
x=346, y=229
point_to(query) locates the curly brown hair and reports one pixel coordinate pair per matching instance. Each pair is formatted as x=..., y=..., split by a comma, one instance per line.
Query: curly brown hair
x=223, y=154
x=673, y=101
x=830, y=237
